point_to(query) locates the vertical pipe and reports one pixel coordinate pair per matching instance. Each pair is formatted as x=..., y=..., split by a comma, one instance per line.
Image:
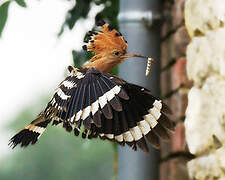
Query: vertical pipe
x=139, y=165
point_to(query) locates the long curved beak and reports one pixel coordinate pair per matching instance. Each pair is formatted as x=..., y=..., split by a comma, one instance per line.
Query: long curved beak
x=129, y=55
x=149, y=63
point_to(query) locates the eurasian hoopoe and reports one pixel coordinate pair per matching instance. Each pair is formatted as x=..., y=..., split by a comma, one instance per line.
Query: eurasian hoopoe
x=105, y=105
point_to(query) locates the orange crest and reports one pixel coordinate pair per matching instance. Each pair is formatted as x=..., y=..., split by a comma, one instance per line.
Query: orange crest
x=106, y=40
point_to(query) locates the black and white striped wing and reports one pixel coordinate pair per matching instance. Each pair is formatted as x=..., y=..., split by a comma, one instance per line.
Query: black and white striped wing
x=143, y=117
x=84, y=96
x=110, y=108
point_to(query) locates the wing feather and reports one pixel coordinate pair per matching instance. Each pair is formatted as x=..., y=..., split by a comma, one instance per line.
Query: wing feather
x=111, y=95
x=112, y=109
x=80, y=103
x=106, y=109
x=87, y=110
x=95, y=108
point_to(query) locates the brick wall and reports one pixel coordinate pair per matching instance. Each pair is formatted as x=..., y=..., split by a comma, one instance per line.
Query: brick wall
x=205, y=114
x=174, y=88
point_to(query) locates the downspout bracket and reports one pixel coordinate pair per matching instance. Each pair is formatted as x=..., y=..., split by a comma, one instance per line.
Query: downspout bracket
x=149, y=17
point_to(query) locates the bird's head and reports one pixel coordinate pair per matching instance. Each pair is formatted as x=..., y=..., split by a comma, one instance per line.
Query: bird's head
x=109, y=47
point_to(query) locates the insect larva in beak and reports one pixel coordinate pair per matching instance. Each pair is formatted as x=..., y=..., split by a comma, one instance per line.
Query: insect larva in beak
x=150, y=60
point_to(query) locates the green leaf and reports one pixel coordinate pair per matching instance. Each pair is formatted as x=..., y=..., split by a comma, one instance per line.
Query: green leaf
x=109, y=13
x=21, y=3
x=80, y=10
x=3, y=15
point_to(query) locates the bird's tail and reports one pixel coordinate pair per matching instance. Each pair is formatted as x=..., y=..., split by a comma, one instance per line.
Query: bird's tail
x=31, y=133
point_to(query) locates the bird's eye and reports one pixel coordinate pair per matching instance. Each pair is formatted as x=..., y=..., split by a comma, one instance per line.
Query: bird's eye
x=116, y=53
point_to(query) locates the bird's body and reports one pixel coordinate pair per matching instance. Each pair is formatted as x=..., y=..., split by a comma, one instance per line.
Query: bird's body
x=105, y=105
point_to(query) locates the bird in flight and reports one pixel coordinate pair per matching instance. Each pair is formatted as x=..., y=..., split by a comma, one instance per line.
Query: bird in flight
x=94, y=103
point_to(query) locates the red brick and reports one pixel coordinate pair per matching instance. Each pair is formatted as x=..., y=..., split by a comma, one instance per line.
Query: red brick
x=178, y=169
x=165, y=28
x=174, y=169
x=180, y=41
x=171, y=80
x=165, y=148
x=178, y=13
x=167, y=8
x=179, y=74
x=178, y=142
x=178, y=104
x=174, y=47
x=183, y=102
x=168, y=48
x=165, y=171
x=166, y=53
x=165, y=82
x=167, y=5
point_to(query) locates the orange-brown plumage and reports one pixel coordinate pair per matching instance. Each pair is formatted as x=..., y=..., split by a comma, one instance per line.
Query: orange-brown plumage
x=109, y=47
x=106, y=41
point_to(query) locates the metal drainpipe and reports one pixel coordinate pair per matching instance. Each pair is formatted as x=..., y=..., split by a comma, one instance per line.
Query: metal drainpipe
x=139, y=165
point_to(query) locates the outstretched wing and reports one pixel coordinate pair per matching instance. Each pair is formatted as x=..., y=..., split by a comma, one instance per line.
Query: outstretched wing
x=110, y=108
x=84, y=96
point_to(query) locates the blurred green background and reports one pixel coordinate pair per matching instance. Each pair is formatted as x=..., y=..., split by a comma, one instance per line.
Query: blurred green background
x=60, y=155
x=57, y=155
